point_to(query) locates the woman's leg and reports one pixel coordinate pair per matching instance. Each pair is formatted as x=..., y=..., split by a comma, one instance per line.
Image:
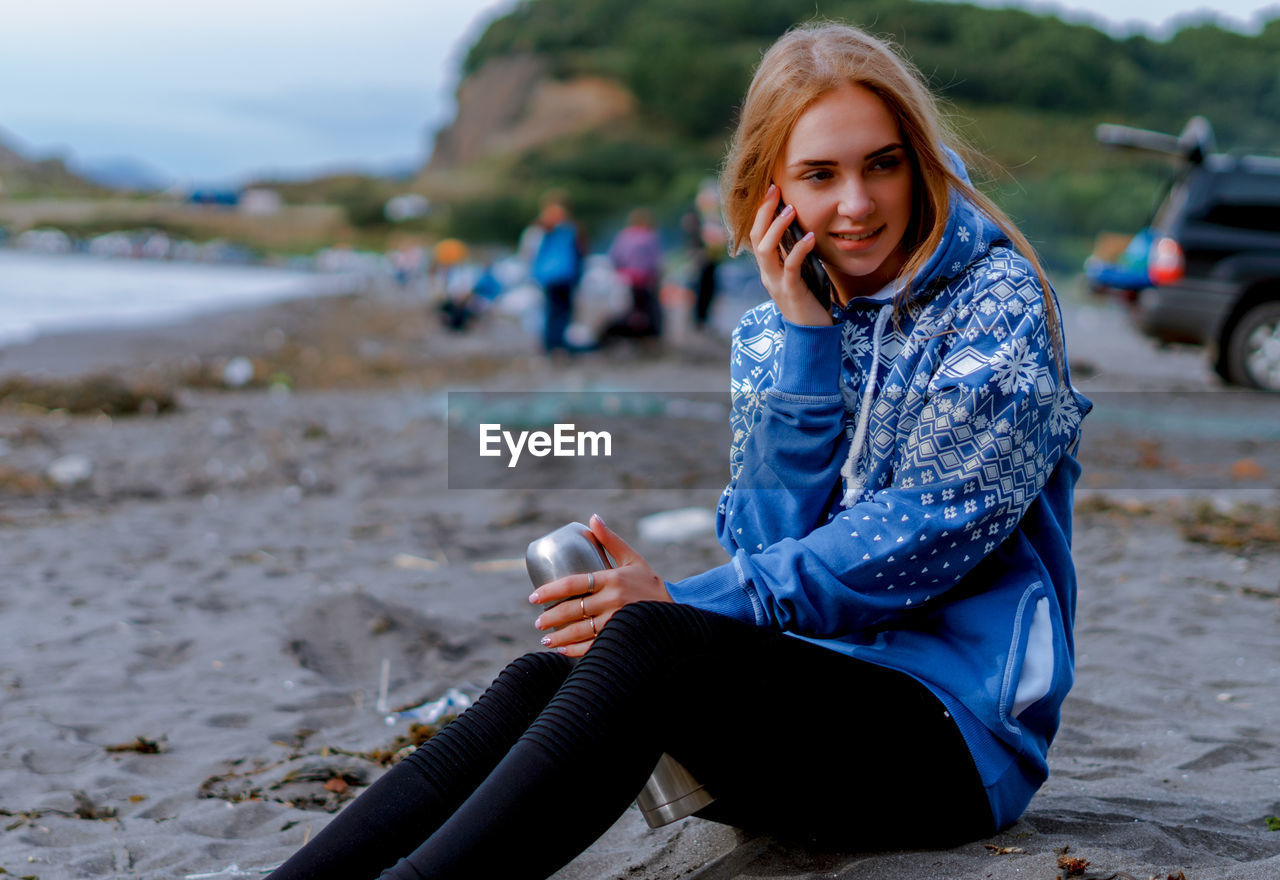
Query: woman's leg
x=581, y=763
x=799, y=740
x=789, y=736
x=559, y=314
x=407, y=803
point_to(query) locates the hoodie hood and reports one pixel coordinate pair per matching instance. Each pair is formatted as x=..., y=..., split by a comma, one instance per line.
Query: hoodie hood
x=967, y=237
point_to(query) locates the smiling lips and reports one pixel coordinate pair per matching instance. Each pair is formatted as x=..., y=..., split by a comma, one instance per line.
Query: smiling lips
x=855, y=238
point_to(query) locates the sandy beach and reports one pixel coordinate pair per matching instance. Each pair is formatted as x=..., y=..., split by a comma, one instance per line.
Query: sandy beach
x=201, y=604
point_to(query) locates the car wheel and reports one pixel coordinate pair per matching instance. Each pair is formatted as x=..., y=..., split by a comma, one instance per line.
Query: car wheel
x=1253, y=350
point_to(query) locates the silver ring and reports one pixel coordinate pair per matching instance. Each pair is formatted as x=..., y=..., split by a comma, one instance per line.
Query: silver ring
x=582, y=604
x=591, y=582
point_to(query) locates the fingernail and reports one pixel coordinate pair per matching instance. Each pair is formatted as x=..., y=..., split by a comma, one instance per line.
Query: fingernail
x=788, y=210
x=808, y=236
x=562, y=650
x=773, y=188
x=533, y=597
x=537, y=624
x=546, y=641
x=601, y=518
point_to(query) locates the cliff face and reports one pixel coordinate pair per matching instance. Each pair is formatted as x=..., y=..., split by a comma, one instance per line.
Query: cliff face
x=512, y=105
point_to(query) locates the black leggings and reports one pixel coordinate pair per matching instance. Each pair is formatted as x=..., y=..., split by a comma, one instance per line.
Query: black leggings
x=791, y=738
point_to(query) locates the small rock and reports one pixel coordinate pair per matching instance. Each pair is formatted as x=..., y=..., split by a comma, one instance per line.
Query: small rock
x=677, y=525
x=70, y=470
x=238, y=372
x=409, y=562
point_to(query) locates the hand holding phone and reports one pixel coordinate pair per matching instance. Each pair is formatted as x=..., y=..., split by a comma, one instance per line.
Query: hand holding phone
x=812, y=272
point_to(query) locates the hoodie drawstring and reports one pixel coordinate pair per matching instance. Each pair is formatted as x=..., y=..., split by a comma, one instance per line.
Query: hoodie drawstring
x=854, y=476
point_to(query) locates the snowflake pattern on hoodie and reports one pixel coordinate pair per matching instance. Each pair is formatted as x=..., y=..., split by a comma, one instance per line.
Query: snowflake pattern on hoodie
x=966, y=424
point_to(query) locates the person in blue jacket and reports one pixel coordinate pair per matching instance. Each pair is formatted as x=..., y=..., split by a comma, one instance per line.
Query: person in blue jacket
x=557, y=267
x=883, y=659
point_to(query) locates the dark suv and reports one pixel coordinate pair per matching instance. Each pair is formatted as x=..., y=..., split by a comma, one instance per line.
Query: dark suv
x=1206, y=270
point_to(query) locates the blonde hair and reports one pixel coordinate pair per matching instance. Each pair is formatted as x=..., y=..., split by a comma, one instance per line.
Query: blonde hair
x=814, y=59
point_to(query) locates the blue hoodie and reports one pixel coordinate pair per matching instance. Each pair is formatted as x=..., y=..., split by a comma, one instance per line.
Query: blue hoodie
x=901, y=491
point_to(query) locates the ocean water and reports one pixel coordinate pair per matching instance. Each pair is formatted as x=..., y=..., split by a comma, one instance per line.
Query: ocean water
x=44, y=293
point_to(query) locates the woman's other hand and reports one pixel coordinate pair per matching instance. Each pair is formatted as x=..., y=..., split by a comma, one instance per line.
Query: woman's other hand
x=586, y=602
x=781, y=277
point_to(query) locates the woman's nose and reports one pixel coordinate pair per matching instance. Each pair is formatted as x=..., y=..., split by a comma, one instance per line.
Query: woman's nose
x=855, y=201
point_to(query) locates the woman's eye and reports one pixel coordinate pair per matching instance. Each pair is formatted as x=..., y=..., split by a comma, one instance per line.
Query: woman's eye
x=819, y=175
x=886, y=163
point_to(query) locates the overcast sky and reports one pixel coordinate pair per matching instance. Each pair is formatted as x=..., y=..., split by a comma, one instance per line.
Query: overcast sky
x=208, y=91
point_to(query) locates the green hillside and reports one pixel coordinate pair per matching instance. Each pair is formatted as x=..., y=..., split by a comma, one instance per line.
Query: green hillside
x=1026, y=89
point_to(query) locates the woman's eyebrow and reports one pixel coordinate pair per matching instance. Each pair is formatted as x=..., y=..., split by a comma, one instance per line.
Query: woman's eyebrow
x=819, y=163
x=887, y=148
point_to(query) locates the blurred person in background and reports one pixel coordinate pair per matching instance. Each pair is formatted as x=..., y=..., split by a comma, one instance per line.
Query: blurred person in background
x=708, y=243
x=557, y=268
x=636, y=254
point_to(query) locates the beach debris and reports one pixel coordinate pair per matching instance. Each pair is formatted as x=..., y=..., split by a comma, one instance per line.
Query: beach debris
x=232, y=870
x=109, y=395
x=452, y=704
x=681, y=524
x=402, y=746
x=1003, y=850
x=87, y=809
x=1248, y=469
x=1072, y=866
x=1246, y=527
x=322, y=778
x=70, y=470
x=384, y=679
x=20, y=482
x=409, y=562
x=84, y=808
x=1273, y=823
x=238, y=372
x=301, y=781
x=498, y=566
x=140, y=744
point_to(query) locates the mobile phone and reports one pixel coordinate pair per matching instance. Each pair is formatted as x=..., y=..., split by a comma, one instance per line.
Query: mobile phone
x=812, y=272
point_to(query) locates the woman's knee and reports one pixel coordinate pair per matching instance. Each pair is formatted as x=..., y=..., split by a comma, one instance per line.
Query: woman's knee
x=654, y=631
x=541, y=670
x=650, y=620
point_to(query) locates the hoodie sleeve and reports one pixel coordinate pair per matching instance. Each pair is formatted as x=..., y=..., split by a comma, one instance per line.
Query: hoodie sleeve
x=786, y=420
x=990, y=423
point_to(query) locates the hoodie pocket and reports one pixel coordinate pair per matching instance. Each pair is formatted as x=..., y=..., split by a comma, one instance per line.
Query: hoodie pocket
x=1029, y=671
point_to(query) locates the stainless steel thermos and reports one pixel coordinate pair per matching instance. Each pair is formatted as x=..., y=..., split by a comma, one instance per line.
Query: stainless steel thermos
x=671, y=792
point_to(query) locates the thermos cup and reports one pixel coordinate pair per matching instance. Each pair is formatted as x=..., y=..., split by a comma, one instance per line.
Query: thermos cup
x=671, y=792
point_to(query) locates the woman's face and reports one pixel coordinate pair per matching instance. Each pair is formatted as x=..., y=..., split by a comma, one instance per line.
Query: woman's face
x=846, y=171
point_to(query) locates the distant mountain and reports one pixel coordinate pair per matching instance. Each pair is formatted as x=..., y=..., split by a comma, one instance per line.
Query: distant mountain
x=22, y=176
x=121, y=172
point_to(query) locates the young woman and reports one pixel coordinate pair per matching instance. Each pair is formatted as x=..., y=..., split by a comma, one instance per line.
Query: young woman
x=891, y=639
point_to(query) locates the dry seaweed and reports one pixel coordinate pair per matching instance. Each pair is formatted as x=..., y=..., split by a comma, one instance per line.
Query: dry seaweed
x=88, y=395
x=141, y=745
x=1244, y=527
x=321, y=779
x=85, y=808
